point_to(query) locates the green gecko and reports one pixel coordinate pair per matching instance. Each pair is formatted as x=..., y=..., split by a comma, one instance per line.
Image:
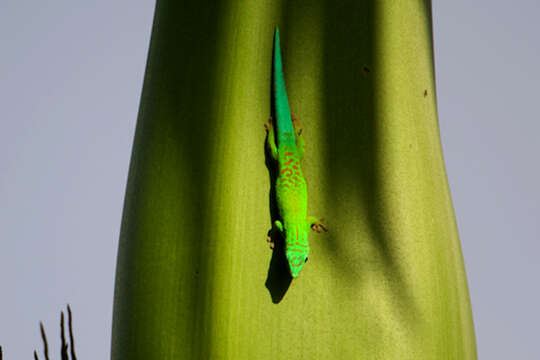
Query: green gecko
x=291, y=190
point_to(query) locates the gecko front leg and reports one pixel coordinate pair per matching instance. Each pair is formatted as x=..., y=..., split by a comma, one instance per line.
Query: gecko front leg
x=279, y=226
x=316, y=224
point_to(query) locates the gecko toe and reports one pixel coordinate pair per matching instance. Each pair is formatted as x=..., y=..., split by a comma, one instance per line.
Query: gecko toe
x=318, y=225
x=270, y=241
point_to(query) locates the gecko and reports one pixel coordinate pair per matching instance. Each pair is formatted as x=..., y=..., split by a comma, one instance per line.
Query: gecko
x=285, y=143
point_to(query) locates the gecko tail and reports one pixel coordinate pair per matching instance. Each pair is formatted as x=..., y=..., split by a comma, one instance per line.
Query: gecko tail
x=285, y=131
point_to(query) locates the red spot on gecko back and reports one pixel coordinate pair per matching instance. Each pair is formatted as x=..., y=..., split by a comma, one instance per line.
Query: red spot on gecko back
x=288, y=171
x=287, y=154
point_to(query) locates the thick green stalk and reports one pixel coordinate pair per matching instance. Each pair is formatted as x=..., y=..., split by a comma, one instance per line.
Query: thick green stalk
x=195, y=278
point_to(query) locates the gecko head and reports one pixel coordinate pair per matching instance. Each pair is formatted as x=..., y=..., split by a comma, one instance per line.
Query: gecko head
x=296, y=262
x=296, y=252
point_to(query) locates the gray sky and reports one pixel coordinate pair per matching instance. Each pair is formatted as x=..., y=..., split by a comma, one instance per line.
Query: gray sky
x=65, y=142
x=487, y=57
x=70, y=81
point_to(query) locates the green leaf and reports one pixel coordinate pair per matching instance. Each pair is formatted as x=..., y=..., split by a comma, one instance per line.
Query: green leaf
x=195, y=278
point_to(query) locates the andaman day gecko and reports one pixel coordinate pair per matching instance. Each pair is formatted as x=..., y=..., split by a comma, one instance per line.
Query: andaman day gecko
x=287, y=149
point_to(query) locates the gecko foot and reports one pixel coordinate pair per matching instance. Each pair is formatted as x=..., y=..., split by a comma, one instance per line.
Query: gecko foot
x=317, y=225
x=268, y=125
x=269, y=240
x=297, y=125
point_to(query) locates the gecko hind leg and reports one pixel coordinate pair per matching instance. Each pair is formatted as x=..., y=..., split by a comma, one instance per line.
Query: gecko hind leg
x=298, y=136
x=297, y=125
x=271, y=139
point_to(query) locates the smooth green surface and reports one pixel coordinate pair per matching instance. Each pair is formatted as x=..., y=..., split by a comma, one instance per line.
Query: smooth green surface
x=194, y=271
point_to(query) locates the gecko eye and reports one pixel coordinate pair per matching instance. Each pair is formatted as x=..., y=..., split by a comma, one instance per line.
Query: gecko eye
x=306, y=259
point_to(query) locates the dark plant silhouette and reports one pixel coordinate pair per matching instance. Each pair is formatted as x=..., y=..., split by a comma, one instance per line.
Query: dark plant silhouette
x=64, y=345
